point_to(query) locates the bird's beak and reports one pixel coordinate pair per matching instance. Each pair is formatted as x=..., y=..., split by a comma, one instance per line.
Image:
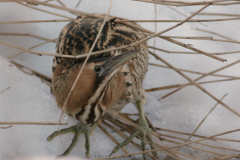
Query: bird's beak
x=114, y=63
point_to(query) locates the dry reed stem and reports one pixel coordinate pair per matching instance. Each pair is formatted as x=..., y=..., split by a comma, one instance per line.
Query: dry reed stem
x=61, y=3
x=197, y=148
x=58, y=7
x=51, y=40
x=130, y=114
x=155, y=38
x=227, y=157
x=196, y=135
x=38, y=21
x=195, y=130
x=36, y=52
x=78, y=3
x=45, y=79
x=204, y=144
x=6, y=127
x=45, y=11
x=184, y=85
x=112, y=138
x=214, y=33
x=197, y=85
x=180, y=52
x=183, y=14
x=94, y=43
x=219, y=14
x=24, y=34
x=32, y=123
x=214, y=71
x=172, y=146
x=161, y=36
x=193, y=20
x=178, y=4
x=194, y=72
x=5, y=90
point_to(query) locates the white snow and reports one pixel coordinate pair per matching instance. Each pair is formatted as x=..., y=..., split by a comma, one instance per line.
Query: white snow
x=28, y=99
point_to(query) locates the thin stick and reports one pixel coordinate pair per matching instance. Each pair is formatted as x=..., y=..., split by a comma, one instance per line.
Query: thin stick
x=5, y=90
x=219, y=14
x=34, y=72
x=45, y=11
x=61, y=3
x=182, y=13
x=170, y=147
x=194, y=72
x=94, y=43
x=112, y=138
x=195, y=130
x=197, y=85
x=181, y=3
x=36, y=52
x=191, y=21
x=155, y=38
x=24, y=34
x=38, y=21
x=227, y=157
x=180, y=52
x=59, y=7
x=198, y=148
x=78, y=3
x=52, y=40
x=196, y=135
x=184, y=85
x=6, y=127
x=161, y=36
x=32, y=123
x=220, y=35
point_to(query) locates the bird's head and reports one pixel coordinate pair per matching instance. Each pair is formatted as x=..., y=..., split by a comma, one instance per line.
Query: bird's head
x=85, y=103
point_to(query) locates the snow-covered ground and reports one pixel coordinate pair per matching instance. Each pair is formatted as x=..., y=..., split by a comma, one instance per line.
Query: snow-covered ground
x=28, y=99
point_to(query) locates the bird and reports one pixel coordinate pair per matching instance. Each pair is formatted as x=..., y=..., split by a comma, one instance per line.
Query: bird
x=109, y=81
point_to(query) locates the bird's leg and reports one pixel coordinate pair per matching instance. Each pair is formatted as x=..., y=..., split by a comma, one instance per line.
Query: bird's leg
x=142, y=128
x=77, y=129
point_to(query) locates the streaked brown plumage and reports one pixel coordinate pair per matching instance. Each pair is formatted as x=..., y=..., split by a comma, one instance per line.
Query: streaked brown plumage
x=76, y=38
x=106, y=85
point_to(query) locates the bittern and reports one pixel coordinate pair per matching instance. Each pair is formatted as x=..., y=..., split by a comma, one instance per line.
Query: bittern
x=108, y=82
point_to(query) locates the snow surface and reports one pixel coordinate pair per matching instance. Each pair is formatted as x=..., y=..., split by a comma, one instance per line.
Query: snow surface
x=28, y=99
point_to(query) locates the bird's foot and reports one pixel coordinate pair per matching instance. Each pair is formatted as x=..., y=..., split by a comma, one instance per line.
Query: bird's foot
x=77, y=129
x=143, y=129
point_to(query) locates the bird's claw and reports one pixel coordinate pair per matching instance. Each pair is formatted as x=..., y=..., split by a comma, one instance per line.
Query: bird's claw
x=77, y=129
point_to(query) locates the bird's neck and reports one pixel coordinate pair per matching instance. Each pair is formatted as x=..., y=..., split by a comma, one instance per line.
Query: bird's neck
x=114, y=92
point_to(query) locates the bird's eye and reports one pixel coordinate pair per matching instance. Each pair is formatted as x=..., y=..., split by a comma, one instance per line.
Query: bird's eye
x=97, y=68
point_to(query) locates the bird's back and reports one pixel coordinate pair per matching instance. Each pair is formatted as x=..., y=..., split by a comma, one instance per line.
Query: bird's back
x=77, y=38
